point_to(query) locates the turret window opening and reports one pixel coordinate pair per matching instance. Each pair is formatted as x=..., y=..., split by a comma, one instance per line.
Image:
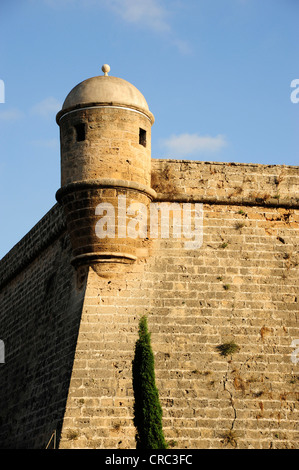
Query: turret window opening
x=142, y=137
x=80, y=132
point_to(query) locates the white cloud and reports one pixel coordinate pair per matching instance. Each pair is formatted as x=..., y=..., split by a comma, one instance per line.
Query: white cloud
x=47, y=107
x=190, y=144
x=11, y=114
x=151, y=14
x=148, y=13
x=183, y=46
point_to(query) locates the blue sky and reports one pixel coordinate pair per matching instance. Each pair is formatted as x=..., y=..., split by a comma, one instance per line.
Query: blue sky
x=215, y=73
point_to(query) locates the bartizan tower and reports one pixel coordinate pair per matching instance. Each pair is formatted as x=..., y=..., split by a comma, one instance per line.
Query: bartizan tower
x=105, y=135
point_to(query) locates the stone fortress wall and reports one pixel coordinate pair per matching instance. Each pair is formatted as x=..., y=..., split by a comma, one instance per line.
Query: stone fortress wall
x=71, y=300
x=70, y=335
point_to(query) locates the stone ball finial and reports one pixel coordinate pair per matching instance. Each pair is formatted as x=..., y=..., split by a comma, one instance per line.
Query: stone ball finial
x=106, y=69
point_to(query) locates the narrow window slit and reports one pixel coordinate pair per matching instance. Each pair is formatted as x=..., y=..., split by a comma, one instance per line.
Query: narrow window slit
x=142, y=137
x=80, y=132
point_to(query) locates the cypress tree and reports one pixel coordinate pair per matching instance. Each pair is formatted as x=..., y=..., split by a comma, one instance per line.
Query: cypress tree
x=147, y=407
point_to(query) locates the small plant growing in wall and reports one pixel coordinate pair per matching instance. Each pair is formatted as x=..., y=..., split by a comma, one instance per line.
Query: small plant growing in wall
x=172, y=443
x=224, y=245
x=227, y=349
x=72, y=434
x=239, y=225
x=147, y=407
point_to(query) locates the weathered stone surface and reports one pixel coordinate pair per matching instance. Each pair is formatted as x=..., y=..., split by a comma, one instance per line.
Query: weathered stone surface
x=54, y=332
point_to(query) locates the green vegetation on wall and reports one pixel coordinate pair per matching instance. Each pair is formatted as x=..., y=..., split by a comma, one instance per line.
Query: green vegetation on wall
x=147, y=407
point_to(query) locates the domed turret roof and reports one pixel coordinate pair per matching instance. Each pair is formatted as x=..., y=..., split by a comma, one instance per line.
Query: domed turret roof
x=105, y=89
